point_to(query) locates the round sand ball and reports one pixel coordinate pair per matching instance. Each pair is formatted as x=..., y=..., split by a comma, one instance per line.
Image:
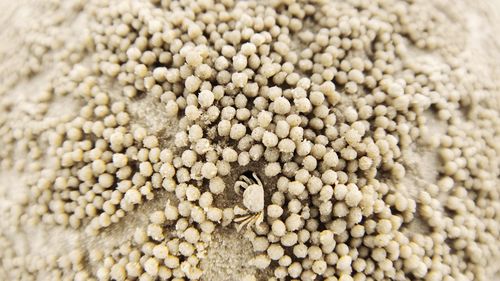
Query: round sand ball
x=229, y=155
x=237, y=131
x=217, y=185
x=171, y=212
x=264, y=118
x=261, y=261
x=353, y=197
x=395, y=90
x=146, y=169
x=209, y=170
x=345, y=277
x=160, y=251
x=239, y=79
x=151, y=266
x=293, y=222
x=192, y=112
x=269, y=139
x=171, y=108
x=194, y=58
x=319, y=267
x=278, y=228
x=214, y=214
x=286, y=146
x=272, y=169
x=150, y=142
x=344, y=263
x=282, y=105
x=120, y=160
x=274, y=211
x=296, y=188
x=275, y=251
x=118, y=272
x=133, y=196
x=206, y=98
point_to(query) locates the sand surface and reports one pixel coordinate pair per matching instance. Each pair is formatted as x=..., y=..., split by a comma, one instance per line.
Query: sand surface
x=229, y=253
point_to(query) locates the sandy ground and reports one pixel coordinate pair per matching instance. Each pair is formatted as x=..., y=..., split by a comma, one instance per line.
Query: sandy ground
x=228, y=254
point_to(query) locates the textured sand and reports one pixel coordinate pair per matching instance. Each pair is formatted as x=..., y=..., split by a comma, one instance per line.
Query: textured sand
x=228, y=254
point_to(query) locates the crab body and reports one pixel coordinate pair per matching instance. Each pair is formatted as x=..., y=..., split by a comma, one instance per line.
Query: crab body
x=253, y=200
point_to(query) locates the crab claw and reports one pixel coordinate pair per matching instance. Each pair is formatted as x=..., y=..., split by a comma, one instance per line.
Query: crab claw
x=239, y=184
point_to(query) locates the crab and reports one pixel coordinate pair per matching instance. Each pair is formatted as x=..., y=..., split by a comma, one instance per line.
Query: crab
x=253, y=200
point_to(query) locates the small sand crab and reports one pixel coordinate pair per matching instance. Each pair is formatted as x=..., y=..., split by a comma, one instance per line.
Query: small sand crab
x=253, y=200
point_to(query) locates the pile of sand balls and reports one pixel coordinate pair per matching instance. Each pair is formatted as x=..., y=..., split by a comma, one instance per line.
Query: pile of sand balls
x=324, y=101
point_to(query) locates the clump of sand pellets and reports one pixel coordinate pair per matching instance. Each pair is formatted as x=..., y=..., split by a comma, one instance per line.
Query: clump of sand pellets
x=297, y=124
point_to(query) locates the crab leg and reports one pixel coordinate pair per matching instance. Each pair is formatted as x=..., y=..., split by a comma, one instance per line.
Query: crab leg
x=257, y=179
x=259, y=218
x=249, y=220
x=246, y=179
x=254, y=218
x=244, y=221
x=243, y=218
x=239, y=227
